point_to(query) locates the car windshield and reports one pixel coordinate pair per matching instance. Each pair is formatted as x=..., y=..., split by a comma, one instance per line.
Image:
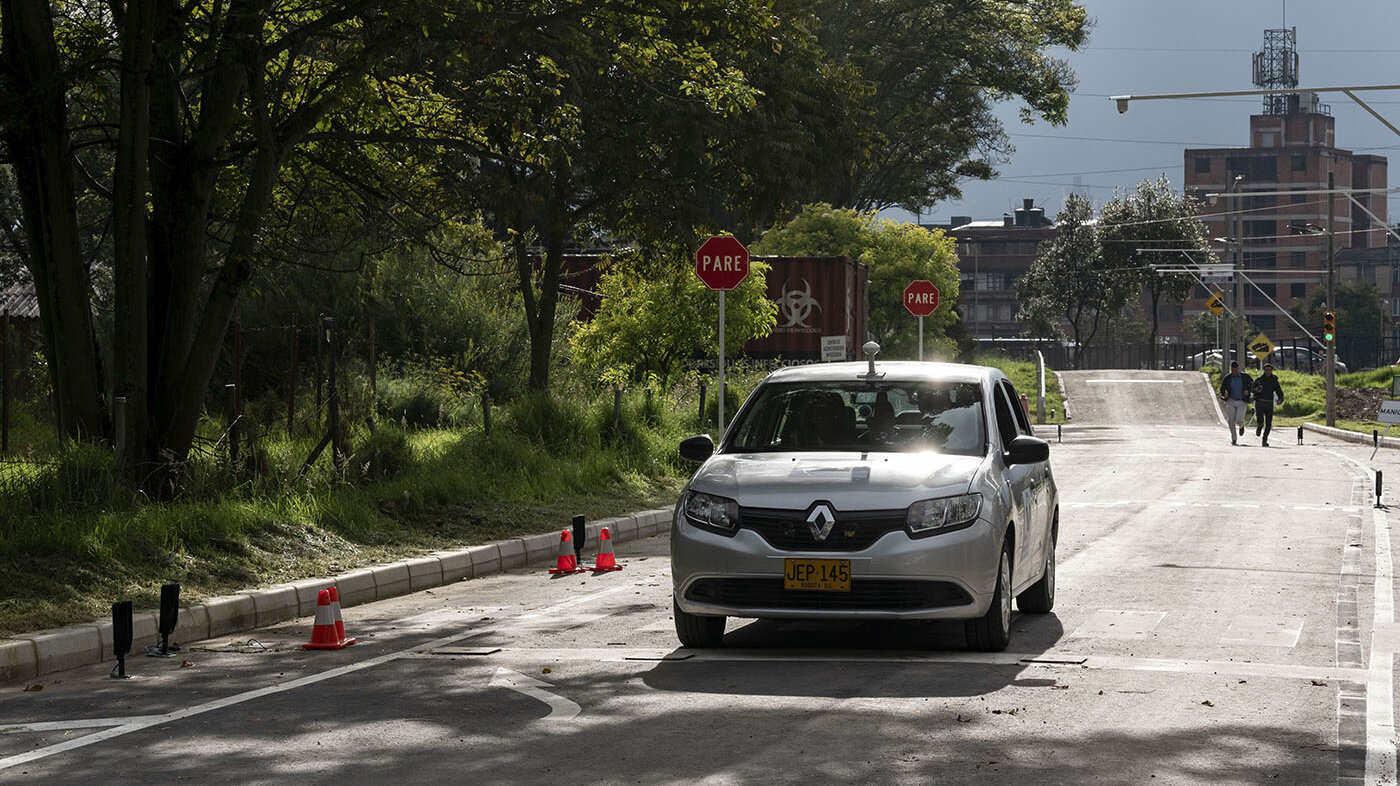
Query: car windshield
x=945, y=417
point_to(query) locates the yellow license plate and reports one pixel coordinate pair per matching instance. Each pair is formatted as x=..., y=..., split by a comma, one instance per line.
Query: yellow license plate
x=826, y=575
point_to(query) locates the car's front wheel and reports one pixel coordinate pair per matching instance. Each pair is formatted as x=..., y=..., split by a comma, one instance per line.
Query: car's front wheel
x=991, y=632
x=694, y=630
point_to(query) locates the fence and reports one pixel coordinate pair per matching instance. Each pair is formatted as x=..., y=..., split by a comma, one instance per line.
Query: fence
x=305, y=379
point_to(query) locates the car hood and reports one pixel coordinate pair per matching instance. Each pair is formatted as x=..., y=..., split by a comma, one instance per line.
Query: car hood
x=850, y=481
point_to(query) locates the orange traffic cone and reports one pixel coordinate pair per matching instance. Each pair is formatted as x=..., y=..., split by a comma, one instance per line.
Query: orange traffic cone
x=606, y=559
x=335, y=615
x=323, y=635
x=567, y=562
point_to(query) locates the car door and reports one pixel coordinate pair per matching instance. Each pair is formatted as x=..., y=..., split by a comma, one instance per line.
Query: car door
x=1021, y=482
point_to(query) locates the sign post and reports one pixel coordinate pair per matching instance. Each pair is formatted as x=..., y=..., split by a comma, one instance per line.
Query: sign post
x=921, y=300
x=722, y=263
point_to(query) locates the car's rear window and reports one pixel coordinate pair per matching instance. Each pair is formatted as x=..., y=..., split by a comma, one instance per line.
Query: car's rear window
x=946, y=417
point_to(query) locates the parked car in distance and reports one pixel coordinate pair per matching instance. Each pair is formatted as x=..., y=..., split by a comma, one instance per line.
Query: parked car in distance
x=1303, y=359
x=1200, y=360
x=1293, y=358
x=870, y=491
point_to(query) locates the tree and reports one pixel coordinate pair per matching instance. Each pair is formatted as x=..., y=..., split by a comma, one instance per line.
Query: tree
x=895, y=254
x=1069, y=282
x=1156, y=218
x=657, y=316
x=1361, y=322
x=935, y=70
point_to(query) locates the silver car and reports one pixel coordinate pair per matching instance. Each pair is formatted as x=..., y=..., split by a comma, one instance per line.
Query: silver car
x=890, y=491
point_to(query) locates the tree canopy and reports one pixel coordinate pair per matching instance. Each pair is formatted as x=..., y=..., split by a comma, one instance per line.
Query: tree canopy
x=1151, y=227
x=895, y=254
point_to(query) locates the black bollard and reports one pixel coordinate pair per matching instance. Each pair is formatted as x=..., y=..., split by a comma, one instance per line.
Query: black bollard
x=121, y=637
x=1378, y=489
x=1300, y=435
x=580, y=532
x=169, y=615
x=1375, y=438
x=1059, y=432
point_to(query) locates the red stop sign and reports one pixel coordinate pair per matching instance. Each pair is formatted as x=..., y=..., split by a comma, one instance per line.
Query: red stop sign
x=722, y=262
x=921, y=298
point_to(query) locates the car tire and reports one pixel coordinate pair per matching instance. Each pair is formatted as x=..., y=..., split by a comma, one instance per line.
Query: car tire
x=991, y=632
x=694, y=630
x=1039, y=598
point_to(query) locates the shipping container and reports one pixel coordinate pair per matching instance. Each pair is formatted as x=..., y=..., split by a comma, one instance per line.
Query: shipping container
x=817, y=297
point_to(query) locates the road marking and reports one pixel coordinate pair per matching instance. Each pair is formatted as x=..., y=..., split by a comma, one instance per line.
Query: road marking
x=1136, y=503
x=67, y=725
x=1071, y=659
x=1379, y=679
x=560, y=708
x=1380, y=705
x=137, y=723
x=1262, y=632
x=1117, y=624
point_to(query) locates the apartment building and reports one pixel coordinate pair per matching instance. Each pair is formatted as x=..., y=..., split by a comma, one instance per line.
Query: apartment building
x=991, y=256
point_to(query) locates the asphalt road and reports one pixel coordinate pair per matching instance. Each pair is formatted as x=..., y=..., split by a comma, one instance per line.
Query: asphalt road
x=1225, y=615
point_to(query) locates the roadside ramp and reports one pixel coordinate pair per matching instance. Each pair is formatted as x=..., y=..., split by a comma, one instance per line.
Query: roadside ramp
x=1126, y=396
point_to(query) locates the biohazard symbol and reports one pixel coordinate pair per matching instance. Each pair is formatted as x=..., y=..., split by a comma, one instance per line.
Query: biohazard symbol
x=796, y=305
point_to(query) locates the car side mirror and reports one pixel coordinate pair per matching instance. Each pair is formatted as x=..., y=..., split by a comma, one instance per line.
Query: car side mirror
x=697, y=448
x=1027, y=450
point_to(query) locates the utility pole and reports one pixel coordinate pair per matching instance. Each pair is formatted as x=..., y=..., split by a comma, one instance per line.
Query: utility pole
x=1331, y=302
x=1239, y=207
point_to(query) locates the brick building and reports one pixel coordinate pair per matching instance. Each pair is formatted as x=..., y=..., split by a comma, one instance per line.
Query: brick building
x=991, y=256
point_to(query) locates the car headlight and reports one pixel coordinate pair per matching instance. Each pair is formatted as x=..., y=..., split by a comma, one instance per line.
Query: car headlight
x=711, y=512
x=931, y=516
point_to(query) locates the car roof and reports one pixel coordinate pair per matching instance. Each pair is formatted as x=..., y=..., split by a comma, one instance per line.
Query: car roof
x=890, y=371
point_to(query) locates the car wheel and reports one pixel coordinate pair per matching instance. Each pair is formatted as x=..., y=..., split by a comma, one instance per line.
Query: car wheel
x=1039, y=597
x=696, y=631
x=991, y=632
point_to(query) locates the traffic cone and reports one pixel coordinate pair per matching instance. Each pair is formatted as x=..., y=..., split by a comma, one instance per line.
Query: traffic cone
x=567, y=562
x=323, y=635
x=606, y=559
x=335, y=615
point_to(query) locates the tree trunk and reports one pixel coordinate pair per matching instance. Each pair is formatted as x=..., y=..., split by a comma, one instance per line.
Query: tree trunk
x=43, y=167
x=129, y=198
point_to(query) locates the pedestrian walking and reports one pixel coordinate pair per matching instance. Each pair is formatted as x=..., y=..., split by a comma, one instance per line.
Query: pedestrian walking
x=1236, y=388
x=1268, y=393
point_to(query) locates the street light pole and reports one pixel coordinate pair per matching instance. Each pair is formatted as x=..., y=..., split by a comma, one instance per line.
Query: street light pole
x=1238, y=248
x=1331, y=302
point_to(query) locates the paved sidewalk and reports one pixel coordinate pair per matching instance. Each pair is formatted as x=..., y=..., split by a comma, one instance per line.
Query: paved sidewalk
x=32, y=654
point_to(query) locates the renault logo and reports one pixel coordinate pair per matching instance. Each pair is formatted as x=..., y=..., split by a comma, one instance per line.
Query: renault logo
x=821, y=520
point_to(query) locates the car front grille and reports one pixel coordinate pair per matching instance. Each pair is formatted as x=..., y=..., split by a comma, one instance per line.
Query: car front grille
x=865, y=595
x=788, y=530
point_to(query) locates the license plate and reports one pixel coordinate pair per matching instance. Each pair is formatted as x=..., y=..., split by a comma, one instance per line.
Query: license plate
x=825, y=575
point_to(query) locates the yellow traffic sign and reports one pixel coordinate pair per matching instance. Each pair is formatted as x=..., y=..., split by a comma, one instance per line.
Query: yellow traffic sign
x=1261, y=346
x=1216, y=303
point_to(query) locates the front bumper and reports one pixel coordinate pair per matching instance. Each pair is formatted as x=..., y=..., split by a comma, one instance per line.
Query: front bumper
x=947, y=576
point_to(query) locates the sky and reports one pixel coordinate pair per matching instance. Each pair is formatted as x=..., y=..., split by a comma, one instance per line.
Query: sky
x=1187, y=46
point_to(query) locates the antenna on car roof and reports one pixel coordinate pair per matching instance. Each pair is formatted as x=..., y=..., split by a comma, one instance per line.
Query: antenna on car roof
x=871, y=350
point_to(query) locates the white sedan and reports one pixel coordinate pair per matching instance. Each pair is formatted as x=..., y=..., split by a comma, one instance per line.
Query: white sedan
x=868, y=491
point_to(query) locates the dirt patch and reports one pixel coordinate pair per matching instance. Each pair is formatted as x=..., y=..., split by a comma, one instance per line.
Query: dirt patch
x=1359, y=403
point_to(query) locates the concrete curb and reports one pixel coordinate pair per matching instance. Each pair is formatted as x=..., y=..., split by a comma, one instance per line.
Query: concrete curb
x=1350, y=436
x=29, y=655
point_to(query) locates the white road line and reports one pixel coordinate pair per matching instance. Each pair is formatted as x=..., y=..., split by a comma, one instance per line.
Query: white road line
x=68, y=725
x=1380, y=706
x=146, y=721
x=1139, y=381
x=560, y=708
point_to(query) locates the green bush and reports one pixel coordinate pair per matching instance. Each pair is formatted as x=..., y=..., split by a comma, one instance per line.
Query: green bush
x=382, y=453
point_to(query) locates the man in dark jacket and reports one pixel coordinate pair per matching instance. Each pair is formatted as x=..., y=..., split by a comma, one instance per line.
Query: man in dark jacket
x=1236, y=388
x=1267, y=394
